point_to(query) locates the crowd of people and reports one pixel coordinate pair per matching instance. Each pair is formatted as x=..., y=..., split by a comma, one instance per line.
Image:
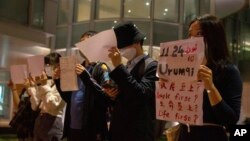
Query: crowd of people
x=124, y=96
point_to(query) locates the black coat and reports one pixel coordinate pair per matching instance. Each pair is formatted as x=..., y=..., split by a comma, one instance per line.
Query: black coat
x=134, y=109
x=94, y=109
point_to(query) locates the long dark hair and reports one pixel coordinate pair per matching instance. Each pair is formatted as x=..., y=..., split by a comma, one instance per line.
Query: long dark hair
x=216, y=49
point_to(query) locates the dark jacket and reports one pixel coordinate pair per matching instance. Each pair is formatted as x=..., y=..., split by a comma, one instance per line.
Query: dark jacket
x=225, y=113
x=134, y=108
x=94, y=108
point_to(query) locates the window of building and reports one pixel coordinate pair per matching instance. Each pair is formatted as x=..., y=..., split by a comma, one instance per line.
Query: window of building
x=63, y=12
x=137, y=8
x=108, y=9
x=143, y=26
x=204, y=6
x=15, y=10
x=5, y=96
x=61, y=37
x=104, y=25
x=77, y=31
x=37, y=19
x=167, y=10
x=82, y=10
x=191, y=10
x=164, y=32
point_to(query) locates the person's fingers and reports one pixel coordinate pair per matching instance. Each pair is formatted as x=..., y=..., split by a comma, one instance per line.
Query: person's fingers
x=116, y=50
x=79, y=69
x=10, y=84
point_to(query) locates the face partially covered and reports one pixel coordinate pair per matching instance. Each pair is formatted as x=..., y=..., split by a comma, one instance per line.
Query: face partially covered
x=128, y=52
x=195, y=30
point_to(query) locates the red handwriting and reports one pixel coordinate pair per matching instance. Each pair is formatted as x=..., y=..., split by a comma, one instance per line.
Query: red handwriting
x=161, y=104
x=182, y=87
x=195, y=97
x=162, y=96
x=191, y=89
x=171, y=105
x=179, y=106
x=184, y=117
x=163, y=114
x=164, y=86
x=192, y=108
x=182, y=98
x=191, y=58
x=191, y=49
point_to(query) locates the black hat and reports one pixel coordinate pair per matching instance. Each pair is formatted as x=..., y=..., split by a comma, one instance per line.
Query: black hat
x=127, y=33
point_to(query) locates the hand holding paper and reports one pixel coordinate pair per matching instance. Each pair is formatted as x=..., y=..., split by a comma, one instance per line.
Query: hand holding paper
x=115, y=56
x=79, y=69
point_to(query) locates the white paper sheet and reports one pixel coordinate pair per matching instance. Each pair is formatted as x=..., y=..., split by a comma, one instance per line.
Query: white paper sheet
x=36, y=65
x=180, y=60
x=96, y=47
x=18, y=73
x=68, y=76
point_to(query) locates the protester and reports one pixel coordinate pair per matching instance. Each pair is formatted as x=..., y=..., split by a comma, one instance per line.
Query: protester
x=44, y=95
x=134, y=109
x=86, y=108
x=20, y=98
x=223, y=85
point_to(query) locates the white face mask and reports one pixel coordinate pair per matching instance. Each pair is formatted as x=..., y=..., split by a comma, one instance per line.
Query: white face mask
x=48, y=71
x=128, y=53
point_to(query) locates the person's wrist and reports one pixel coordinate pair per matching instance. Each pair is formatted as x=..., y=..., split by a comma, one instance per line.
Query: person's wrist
x=14, y=89
x=116, y=65
x=210, y=89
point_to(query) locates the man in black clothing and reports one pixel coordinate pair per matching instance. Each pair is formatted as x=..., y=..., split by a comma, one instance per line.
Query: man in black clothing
x=134, y=108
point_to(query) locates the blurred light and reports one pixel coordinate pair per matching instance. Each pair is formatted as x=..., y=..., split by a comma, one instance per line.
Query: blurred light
x=164, y=14
x=41, y=48
x=129, y=11
x=115, y=21
x=147, y=3
x=166, y=10
x=247, y=43
x=246, y=49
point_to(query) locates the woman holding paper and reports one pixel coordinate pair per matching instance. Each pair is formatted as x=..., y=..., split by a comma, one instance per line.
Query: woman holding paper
x=44, y=95
x=20, y=98
x=223, y=85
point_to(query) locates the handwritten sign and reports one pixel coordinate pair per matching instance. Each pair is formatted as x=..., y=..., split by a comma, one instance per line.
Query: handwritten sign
x=180, y=60
x=96, y=47
x=179, y=101
x=68, y=81
x=36, y=65
x=18, y=73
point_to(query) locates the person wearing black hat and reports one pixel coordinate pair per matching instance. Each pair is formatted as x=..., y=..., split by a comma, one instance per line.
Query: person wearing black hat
x=133, y=115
